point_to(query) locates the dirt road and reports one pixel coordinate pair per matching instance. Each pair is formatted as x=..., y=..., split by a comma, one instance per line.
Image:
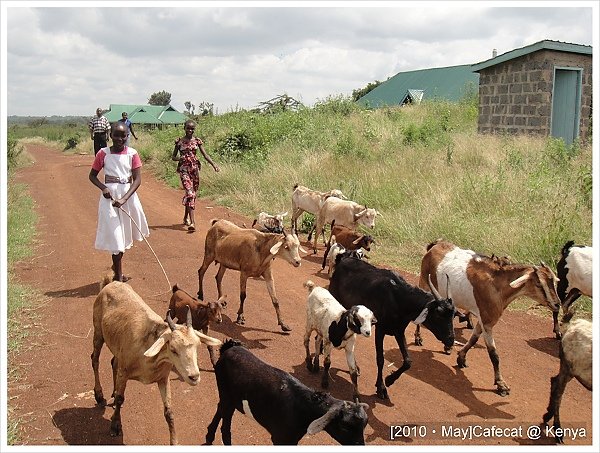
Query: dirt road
x=55, y=397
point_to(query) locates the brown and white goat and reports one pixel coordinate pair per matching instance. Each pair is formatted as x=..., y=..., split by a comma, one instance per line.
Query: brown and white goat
x=144, y=346
x=485, y=287
x=203, y=314
x=349, y=239
x=251, y=253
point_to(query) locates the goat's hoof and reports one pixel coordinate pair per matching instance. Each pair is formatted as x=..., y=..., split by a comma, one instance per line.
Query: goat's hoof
x=461, y=362
x=116, y=430
x=418, y=342
x=503, y=390
x=389, y=380
x=285, y=327
x=382, y=393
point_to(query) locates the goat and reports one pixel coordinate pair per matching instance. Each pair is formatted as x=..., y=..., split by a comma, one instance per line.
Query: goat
x=348, y=239
x=203, y=314
x=574, y=272
x=343, y=212
x=279, y=402
x=335, y=327
x=268, y=223
x=575, y=354
x=250, y=252
x=336, y=249
x=145, y=348
x=485, y=287
x=395, y=304
x=308, y=200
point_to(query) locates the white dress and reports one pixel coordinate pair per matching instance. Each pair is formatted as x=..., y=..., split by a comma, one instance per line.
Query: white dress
x=116, y=230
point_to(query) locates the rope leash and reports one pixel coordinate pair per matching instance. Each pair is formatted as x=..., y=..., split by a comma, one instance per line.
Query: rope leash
x=151, y=249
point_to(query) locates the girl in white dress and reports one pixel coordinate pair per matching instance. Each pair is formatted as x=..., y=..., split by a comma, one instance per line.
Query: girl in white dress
x=122, y=177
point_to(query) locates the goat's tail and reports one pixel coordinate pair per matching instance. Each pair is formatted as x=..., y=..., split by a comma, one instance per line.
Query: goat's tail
x=295, y=186
x=565, y=250
x=230, y=343
x=213, y=221
x=308, y=284
x=105, y=279
x=175, y=288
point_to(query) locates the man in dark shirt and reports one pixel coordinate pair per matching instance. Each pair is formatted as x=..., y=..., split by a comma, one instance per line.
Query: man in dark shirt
x=129, y=125
x=99, y=130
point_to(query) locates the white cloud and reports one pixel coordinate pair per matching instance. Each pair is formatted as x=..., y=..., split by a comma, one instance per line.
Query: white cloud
x=69, y=60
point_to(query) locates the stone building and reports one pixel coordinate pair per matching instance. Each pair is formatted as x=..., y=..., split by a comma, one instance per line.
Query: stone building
x=542, y=89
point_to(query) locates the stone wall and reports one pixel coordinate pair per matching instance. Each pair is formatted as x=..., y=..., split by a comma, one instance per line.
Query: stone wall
x=516, y=96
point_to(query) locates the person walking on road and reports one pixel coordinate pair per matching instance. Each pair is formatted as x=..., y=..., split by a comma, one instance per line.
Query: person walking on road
x=189, y=169
x=99, y=130
x=122, y=177
x=129, y=124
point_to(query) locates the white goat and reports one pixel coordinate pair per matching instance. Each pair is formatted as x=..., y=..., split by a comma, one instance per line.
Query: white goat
x=268, y=223
x=335, y=327
x=343, y=212
x=308, y=200
x=575, y=361
x=145, y=348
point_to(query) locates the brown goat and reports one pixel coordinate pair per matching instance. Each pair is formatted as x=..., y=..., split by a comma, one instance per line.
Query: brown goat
x=251, y=253
x=347, y=238
x=145, y=348
x=202, y=313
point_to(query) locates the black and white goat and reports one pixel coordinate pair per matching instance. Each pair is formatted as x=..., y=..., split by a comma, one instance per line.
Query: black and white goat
x=574, y=272
x=279, y=402
x=335, y=327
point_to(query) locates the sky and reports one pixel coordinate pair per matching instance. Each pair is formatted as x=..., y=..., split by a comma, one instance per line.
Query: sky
x=68, y=58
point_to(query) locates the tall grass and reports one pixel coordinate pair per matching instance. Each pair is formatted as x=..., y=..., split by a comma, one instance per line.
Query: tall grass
x=21, y=223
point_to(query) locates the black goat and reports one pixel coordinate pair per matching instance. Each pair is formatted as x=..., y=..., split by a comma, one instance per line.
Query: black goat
x=279, y=402
x=395, y=304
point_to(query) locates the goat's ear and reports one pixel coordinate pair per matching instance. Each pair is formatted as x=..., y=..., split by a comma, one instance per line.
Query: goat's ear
x=284, y=214
x=158, y=344
x=301, y=249
x=378, y=213
x=210, y=341
x=276, y=247
x=321, y=423
x=360, y=214
x=520, y=281
x=357, y=240
x=422, y=316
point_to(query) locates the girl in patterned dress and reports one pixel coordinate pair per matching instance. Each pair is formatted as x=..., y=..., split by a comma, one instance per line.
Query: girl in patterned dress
x=189, y=169
x=122, y=177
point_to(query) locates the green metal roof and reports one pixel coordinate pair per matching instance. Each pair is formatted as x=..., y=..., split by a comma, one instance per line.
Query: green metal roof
x=541, y=45
x=146, y=114
x=448, y=83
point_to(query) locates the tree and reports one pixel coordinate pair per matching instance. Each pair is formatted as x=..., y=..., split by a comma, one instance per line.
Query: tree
x=205, y=108
x=160, y=98
x=360, y=92
x=189, y=107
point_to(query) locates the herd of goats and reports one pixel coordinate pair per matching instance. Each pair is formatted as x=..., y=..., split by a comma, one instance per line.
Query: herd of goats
x=360, y=298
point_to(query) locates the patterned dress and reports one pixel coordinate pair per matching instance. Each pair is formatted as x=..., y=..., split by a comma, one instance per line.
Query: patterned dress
x=189, y=169
x=116, y=230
